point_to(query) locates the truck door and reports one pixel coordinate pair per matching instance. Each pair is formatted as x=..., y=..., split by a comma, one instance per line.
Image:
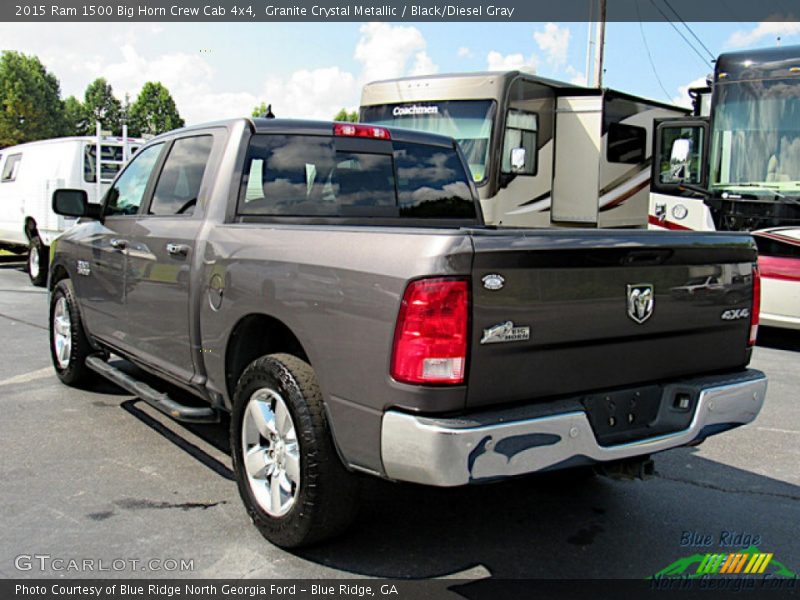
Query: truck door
x=101, y=284
x=160, y=256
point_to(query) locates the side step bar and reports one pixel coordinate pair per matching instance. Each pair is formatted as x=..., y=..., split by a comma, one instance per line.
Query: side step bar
x=156, y=399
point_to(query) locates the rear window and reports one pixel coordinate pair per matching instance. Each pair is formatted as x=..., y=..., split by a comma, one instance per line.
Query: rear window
x=307, y=176
x=111, y=160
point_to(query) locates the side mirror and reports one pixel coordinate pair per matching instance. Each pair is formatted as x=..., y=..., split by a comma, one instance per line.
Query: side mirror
x=518, y=159
x=71, y=203
x=679, y=159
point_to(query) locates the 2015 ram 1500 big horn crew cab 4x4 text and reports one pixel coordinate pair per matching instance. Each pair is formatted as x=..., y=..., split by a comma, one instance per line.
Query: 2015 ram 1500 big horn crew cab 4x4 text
x=334, y=288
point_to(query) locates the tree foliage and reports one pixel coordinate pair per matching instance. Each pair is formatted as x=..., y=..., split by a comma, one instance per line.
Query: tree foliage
x=30, y=100
x=154, y=111
x=99, y=97
x=348, y=117
x=75, y=117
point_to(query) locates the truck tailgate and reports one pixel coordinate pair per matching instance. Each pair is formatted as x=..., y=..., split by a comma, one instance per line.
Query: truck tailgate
x=574, y=290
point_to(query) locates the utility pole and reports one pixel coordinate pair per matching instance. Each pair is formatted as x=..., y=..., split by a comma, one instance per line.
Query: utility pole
x=600, y=45
x=589, y=42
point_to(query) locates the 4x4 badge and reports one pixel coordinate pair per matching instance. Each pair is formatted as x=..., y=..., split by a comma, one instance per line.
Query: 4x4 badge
x=641, y=301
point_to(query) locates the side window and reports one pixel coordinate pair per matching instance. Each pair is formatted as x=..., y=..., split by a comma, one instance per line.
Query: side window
x=179, y=182
x=11, y=168
x=680, y=155
x=125, y=197
x=626, y=144
x=519, y=143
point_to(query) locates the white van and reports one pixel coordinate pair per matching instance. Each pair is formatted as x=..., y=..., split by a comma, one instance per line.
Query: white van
x=28, y=175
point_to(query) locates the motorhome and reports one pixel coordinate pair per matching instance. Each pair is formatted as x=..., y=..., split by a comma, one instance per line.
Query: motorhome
x=542, y=152
x=735, y=166
x=28, y=175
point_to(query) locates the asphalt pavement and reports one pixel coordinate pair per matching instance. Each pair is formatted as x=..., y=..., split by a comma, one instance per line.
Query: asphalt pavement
x=98, y=475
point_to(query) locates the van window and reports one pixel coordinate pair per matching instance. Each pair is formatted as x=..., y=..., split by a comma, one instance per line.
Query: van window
x=125, y=197
x=179, y=183
x=11, y=167
x=111, y=159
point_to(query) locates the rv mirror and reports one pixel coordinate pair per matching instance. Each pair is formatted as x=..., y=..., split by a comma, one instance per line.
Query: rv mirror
x=679, y=159
x=518, y=159
x=70, y=203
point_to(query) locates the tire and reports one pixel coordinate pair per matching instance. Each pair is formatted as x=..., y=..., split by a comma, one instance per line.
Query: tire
x=69, y=346
x=317, y=497
x=38, y=260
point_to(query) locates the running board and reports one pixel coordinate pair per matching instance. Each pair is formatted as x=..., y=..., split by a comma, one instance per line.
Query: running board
x=156, y=399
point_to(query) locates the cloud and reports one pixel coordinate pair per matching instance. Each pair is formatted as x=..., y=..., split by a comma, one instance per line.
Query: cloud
x=554, y=42
x=743, y=38
x=314, y=94
x=683, y=99
x=385, y=50
x=576, y=77
x=510, y=62
x=464, y=52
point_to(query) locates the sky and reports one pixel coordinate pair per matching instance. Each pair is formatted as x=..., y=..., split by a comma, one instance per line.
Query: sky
x=220, y=70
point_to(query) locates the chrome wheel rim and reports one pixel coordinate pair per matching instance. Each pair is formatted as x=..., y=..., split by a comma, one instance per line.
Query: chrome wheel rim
x=270, y=452
x=62, y=333
x=33, y=262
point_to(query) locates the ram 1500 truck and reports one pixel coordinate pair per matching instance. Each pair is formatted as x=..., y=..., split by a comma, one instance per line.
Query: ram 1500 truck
x=333, y=287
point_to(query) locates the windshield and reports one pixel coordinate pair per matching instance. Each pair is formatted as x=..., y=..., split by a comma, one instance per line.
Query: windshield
x=756, y=136
x=468, y=121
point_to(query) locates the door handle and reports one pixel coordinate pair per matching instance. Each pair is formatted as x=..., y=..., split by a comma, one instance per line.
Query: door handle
x=177, y=249
x=118, y=244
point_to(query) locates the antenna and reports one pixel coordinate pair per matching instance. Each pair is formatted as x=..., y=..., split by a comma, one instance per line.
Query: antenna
x=269, y=114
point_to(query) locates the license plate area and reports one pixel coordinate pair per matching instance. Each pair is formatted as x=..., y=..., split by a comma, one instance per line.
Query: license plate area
x=635, y=414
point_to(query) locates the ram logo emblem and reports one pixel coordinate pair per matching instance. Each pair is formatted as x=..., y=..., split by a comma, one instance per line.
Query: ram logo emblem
x=641, y=301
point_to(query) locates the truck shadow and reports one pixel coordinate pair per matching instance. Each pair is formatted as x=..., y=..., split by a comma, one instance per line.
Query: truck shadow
x=779, y=339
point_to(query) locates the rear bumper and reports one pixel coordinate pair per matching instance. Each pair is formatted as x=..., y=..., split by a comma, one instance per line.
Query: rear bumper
x=452, y=452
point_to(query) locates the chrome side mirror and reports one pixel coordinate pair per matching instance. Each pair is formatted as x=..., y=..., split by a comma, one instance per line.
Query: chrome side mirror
x=679, y=159
x=518, y=159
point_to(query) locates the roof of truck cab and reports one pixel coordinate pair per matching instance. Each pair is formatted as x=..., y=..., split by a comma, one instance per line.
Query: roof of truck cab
x=260, y=125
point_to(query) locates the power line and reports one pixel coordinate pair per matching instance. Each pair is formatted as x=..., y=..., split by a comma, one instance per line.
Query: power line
x=650, y=56
x=680, y=33
x=689, y=29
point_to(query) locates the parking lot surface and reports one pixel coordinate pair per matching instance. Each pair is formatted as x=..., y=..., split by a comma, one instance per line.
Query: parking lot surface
x=97, y=474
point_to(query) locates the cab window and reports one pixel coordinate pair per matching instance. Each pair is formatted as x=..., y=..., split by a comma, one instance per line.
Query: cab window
x=179, y=182
x=125, y=196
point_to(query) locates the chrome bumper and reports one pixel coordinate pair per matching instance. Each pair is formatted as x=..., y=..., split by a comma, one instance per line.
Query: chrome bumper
x=445, y=453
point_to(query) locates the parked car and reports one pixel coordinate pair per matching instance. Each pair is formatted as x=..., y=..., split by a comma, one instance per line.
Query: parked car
x=29, y=173
x=333, y=287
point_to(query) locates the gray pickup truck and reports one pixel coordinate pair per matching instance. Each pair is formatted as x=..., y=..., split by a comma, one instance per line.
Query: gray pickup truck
x=334, y=289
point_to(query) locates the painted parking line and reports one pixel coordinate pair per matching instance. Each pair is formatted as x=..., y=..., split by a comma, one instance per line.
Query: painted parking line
x=26, y=377
x=776, y=430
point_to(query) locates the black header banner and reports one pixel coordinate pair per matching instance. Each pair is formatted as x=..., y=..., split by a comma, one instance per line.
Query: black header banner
x=395, y=10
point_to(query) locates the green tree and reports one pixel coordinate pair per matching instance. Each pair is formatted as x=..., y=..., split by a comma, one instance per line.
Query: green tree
x=154, y=111
x=75, y=117
x=262, y=110
x=99, y=96
x=30, y=100
x=349, y=117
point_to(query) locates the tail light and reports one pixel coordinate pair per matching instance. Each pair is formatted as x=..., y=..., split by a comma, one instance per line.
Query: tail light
x=361, y=131
x=756, y=309
x=430, y=339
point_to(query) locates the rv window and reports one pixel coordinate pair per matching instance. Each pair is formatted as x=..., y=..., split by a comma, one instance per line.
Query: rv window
x=521, y=129
x=626, y=144
x=125, y=197
x=11, y=167
x=179, y=183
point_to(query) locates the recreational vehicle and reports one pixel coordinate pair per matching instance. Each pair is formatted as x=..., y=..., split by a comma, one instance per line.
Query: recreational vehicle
x=541, y=152
x=735, y=166
x=28, y=175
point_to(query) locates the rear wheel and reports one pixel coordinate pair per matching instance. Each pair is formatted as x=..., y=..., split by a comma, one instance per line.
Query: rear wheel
x=293, y=485
x=69, y=346
x=37, y=261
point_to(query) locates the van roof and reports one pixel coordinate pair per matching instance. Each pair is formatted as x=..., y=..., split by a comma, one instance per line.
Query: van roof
x=106, y=141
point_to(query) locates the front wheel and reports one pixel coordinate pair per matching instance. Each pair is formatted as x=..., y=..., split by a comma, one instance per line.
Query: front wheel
x=290, y=478
x=37, y=261
x=69, y=346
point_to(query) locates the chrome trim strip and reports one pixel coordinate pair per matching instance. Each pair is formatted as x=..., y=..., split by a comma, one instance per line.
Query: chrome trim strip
x=428, y=451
